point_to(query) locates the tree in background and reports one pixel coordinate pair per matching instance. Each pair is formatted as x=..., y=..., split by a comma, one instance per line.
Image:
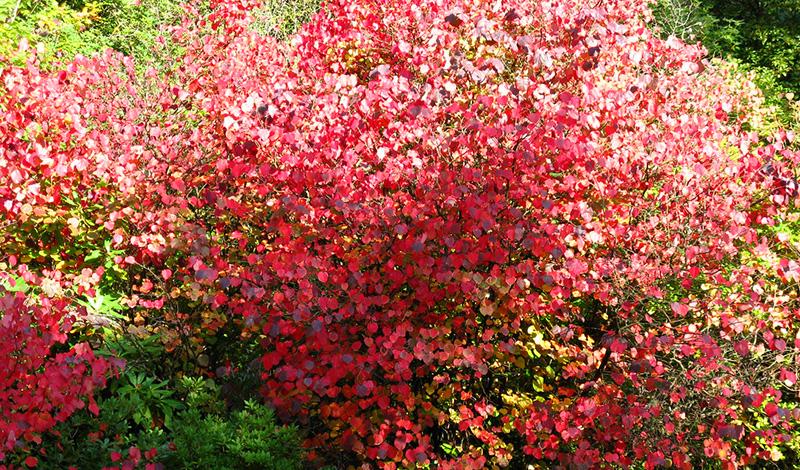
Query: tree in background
x=762, y=35
x=77, y=27
x=137, y=28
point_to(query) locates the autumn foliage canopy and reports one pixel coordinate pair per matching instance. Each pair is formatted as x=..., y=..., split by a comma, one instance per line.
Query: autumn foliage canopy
x=464, y=233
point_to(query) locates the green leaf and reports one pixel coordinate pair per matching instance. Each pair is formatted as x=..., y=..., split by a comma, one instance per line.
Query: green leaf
x=6, y=9
x=13, y=283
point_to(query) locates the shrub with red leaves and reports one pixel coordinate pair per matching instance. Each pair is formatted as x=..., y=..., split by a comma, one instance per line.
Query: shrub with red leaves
x=467, y=233
x=39, y=386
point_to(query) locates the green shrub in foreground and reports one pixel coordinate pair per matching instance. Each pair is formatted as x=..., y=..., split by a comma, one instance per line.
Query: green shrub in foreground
x=249, y=439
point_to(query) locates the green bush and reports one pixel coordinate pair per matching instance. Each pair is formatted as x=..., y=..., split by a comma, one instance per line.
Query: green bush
x=59, y=26
x=77, y=27
x=248, y=439
x=155, y=404
x=129, y=26
x=194, y=438
x=281, y=18
x=761, y=36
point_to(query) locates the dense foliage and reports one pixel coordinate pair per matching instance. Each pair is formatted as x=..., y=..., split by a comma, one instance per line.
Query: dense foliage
x=762, y=35
x=139, y=29
x=77, y=27
x=439, y=233
x=250, y=440
x=39, y=386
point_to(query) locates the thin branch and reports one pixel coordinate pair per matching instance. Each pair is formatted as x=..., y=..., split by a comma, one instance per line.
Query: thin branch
x=14, y=13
